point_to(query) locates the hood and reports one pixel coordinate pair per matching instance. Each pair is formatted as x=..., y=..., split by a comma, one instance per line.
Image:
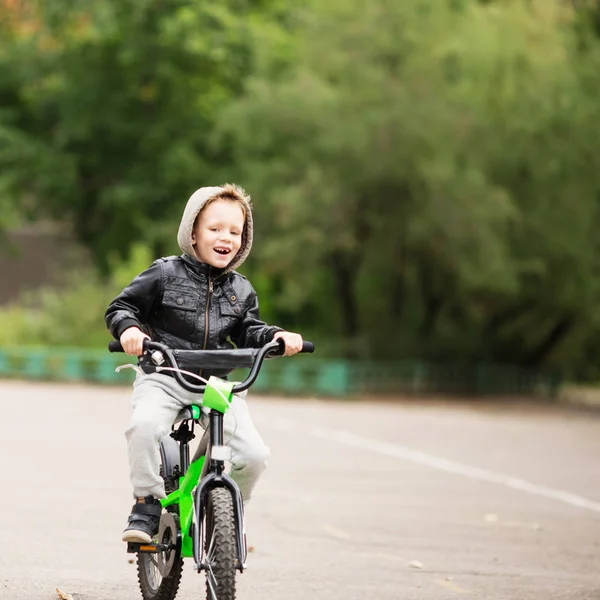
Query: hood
x=197, y=202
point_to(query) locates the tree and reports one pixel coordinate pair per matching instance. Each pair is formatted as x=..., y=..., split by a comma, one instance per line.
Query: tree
x=109, y=108
x=432, y=189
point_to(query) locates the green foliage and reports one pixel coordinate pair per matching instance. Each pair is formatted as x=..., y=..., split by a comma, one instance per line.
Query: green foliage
x=112, y=105
x=439, y=166
x=72, y=315
x=425, y=175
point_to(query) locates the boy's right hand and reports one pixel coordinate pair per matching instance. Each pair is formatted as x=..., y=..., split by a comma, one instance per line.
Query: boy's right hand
x=132, y=340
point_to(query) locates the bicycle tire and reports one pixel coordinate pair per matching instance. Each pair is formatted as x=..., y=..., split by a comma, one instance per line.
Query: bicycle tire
x=156, y=587
x=152, y=584
x=220, y=545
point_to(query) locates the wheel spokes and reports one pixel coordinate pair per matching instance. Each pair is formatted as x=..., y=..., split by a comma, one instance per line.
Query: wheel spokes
x=210, y=575
x=209, y=552
x=211, y=580
x=153, y=574
x=153, y=560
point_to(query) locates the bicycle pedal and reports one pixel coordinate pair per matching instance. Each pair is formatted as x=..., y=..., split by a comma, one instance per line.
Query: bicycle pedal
x=133, y=547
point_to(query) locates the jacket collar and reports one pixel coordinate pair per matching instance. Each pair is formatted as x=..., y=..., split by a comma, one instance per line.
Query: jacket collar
x=201, y=269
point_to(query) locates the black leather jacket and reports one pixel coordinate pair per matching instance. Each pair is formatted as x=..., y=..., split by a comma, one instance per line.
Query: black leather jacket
x=190, y=305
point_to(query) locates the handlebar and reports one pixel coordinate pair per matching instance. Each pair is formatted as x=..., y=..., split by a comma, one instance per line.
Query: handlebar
x=252, y=358
x=115, y=346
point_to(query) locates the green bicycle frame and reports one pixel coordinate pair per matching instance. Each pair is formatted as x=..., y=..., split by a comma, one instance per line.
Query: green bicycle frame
x=218, y=396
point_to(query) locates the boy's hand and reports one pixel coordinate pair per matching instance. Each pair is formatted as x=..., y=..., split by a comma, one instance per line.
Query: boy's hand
x=132, y=340
x=293, y=342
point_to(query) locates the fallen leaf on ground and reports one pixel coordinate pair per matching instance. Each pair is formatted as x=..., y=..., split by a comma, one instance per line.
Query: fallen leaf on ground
x=64, y=596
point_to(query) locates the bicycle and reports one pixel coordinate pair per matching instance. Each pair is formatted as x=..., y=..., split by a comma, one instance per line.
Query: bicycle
x=203, y=512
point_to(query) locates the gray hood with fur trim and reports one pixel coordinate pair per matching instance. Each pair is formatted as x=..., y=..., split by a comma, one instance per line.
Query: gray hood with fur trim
x=197, y=202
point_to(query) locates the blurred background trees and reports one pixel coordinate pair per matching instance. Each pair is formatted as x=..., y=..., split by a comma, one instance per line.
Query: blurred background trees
x=425, y=175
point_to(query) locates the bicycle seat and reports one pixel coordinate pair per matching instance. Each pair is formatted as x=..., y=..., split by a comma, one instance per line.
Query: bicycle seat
x=189, y=413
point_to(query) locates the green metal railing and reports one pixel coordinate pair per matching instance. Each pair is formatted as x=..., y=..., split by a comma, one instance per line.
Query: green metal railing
x=306, y=376
x=63, y=364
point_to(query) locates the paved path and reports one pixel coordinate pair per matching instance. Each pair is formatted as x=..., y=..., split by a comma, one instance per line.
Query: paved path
x=361, y=501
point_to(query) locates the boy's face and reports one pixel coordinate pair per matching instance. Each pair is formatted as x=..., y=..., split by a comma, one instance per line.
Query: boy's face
x=217, y=235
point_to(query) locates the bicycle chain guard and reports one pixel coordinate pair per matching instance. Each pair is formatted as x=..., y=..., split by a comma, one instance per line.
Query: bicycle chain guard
x=168, y=533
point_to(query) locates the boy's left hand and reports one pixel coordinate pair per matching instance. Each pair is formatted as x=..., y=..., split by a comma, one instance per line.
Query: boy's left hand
x=293, y=342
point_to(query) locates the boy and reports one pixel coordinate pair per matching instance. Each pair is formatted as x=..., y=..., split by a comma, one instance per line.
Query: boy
x=193, y=301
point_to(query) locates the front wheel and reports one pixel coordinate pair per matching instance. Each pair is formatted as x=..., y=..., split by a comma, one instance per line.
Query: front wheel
x=220, y=545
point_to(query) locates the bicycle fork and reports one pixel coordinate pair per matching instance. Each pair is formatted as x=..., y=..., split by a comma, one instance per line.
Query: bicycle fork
x=213, y=476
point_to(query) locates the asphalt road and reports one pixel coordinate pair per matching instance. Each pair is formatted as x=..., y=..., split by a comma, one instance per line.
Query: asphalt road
x=361, y=500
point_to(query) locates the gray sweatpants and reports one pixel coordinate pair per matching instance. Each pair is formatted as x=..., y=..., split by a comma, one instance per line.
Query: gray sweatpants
x=156, y=400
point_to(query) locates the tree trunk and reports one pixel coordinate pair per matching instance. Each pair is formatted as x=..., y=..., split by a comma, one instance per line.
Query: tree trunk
x=433, y=301
x=555, y=336
x=345, y=275
x=498, y=320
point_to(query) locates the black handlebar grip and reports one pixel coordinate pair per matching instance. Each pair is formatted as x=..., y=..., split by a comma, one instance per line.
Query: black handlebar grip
x=308, y=347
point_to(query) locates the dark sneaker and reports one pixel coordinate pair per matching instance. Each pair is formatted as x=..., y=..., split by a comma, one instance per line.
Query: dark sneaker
x=143, y=521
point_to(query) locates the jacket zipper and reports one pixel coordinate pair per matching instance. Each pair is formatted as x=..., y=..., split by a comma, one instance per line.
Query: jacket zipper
x=206, y=314
x=207, y=310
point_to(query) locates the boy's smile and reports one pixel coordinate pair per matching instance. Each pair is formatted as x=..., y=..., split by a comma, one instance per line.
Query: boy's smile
x=217, y=235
